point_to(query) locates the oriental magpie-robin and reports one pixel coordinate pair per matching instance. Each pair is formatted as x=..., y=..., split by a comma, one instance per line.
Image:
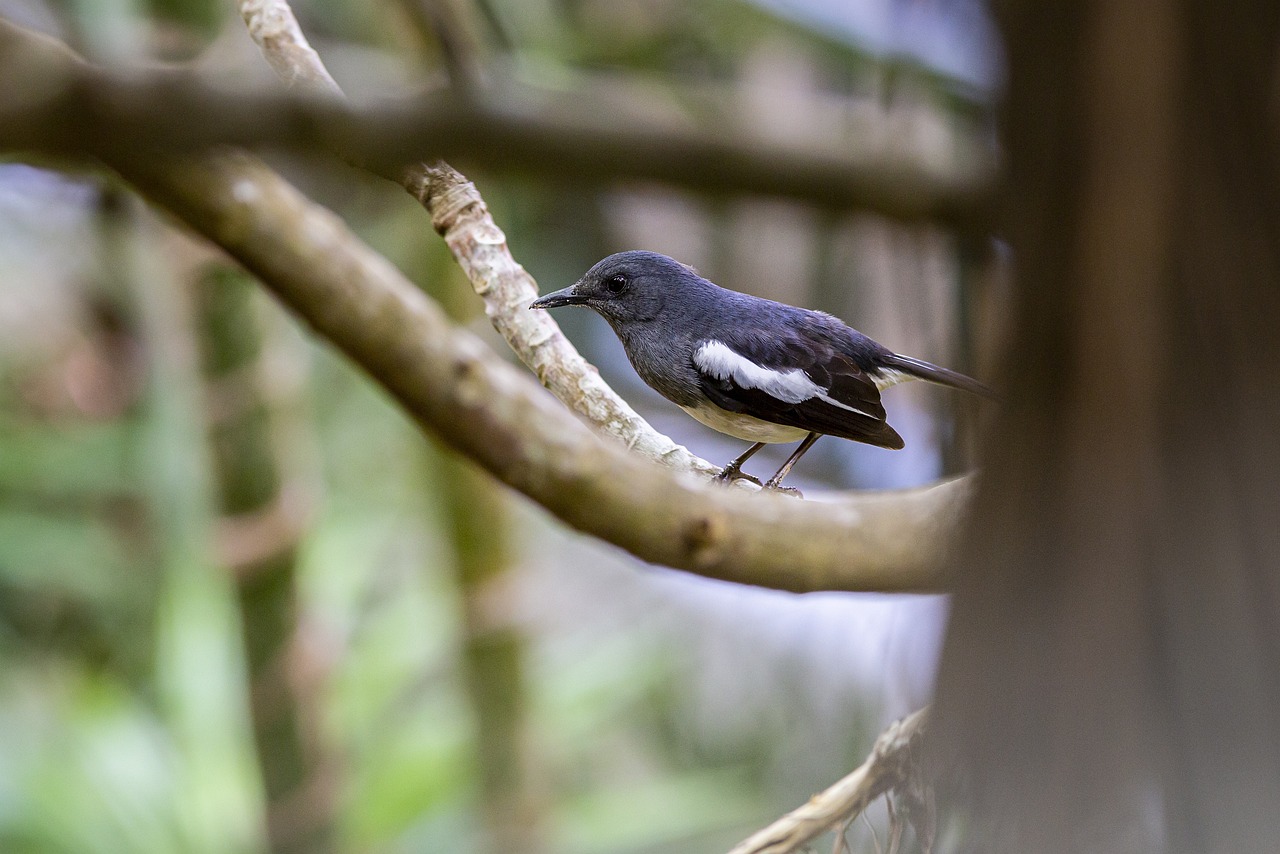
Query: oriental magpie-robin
x=753, y=368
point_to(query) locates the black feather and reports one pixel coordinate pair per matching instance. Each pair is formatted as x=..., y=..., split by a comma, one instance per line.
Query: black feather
x=923, y=370
x=836, y=372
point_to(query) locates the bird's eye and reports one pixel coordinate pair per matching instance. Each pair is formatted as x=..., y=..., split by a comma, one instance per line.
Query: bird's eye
x=616, y=284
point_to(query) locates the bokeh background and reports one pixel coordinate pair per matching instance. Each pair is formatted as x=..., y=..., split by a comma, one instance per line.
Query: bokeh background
x=246, y=606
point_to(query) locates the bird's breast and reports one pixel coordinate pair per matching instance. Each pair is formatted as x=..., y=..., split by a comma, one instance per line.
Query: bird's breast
x=742, y=426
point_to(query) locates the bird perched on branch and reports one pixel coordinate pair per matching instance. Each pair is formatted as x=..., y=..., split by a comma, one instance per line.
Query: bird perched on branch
x=756, y=369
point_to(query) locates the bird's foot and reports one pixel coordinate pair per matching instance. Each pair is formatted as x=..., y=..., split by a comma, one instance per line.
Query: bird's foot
x=732, y=473
x=774, y=484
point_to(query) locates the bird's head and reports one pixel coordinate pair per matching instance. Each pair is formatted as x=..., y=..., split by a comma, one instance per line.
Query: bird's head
x=628, y=287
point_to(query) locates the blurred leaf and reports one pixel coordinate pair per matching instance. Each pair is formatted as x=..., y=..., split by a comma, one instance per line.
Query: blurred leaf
x=421, y=766
x=91, y=771
x=68, y=460
x=75, y=556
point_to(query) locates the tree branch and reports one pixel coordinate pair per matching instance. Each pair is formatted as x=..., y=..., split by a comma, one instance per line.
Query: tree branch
x=886, y=768
x=514, y=129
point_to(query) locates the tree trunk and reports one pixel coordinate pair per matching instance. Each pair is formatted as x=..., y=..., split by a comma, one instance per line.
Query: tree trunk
x=1111, y=677
x=259, y=543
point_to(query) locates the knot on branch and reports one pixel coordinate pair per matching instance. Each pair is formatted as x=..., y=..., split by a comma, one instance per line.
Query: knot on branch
x=704, y=537
x=445, y=193
x=267, y=23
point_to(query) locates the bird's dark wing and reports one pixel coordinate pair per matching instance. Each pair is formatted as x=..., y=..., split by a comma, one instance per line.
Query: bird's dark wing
x=802, y=382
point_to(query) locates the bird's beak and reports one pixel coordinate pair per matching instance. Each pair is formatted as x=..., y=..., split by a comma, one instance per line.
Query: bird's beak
x=555, y=299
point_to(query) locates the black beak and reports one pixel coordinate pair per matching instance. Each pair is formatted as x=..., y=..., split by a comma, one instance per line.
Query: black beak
x=555, y=299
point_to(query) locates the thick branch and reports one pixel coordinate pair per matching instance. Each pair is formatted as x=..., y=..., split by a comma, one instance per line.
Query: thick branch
x=885, y=768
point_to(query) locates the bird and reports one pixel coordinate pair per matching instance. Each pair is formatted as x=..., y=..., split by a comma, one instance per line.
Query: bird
x=755, y=369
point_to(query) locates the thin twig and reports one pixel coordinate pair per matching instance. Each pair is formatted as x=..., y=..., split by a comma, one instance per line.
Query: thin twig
x=274, y=28
x=896, y=827
x=875, y=837
x=841, y=845
x=883, y=770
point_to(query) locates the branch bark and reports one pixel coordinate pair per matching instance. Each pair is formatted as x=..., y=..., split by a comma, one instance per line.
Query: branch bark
x=274, y=28
x=886, y=768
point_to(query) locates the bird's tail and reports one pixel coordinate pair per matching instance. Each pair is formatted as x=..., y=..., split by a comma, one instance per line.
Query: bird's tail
x=923, y=370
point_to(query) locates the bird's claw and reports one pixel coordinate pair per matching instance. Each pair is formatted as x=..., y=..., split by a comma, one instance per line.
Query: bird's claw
x=784, y=490
x=729, y=476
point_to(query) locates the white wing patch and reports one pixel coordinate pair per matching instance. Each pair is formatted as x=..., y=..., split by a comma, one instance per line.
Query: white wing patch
x=715, y=359
x=793, y=386
x=886, y=377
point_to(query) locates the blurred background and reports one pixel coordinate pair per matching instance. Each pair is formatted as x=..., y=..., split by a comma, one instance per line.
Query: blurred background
x=245, y=606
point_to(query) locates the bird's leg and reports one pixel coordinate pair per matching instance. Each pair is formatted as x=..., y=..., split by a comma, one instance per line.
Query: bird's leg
x=733, y=471
x=773, y=482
